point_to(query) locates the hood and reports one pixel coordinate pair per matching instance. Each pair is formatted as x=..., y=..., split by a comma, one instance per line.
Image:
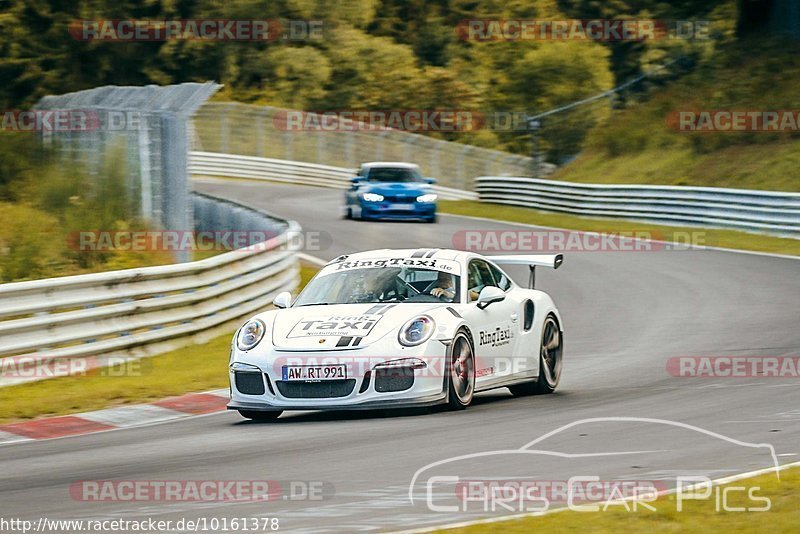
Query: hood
x=390, y=189
x=341, y=326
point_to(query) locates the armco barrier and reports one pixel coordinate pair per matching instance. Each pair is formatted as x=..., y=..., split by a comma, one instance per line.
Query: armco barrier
x=138, y=312
x=215, y=164
x=742, y=209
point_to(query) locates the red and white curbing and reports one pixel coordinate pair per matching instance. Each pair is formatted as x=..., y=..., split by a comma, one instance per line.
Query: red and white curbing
x=115, y=418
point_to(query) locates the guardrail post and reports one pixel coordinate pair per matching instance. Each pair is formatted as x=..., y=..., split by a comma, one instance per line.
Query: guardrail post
x=179, y=215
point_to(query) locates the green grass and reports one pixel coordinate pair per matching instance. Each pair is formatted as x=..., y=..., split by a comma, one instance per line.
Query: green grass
x=698, y=516
x=707, y=237
x=771, y=166
x=199, y=367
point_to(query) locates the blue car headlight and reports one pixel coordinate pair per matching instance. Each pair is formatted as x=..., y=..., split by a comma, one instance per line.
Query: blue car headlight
x=427, y=198
x=372, y=197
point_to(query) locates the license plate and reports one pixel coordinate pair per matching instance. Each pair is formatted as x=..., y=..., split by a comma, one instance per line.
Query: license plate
x=402, y=206
x=313, y=373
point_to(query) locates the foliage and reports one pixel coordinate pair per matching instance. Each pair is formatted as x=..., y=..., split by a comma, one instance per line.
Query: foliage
x=405, y=54
x=45, y=201
x=373, y=54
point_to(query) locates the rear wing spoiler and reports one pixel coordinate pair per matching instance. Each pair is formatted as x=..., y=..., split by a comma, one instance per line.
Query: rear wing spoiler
x=532, y=261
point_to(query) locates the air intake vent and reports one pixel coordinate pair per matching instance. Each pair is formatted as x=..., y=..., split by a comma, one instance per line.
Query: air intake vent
x=249, y=383
x=393, y=379
x=316, y=390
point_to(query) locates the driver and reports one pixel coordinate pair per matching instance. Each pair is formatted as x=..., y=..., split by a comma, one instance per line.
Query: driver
x=474, y=286
x=444, y=287
x=373, y=286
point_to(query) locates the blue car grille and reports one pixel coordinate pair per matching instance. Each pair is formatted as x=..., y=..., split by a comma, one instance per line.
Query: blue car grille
x=400, y=199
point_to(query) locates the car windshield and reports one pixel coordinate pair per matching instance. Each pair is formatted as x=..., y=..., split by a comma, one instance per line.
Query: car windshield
x=394, y=174
x=381, y=284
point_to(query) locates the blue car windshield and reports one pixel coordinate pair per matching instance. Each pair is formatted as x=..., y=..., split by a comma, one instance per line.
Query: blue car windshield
x=389, y=174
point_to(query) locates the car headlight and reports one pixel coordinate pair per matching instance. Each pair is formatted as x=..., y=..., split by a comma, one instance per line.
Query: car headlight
x=372, y=197
x=250, y=334
x=430, y=197
x=416, y=331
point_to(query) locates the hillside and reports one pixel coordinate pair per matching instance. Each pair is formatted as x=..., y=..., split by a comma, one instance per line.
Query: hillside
x=637, y=145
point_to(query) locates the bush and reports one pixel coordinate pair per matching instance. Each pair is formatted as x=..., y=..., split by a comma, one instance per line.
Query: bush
x=45, y=200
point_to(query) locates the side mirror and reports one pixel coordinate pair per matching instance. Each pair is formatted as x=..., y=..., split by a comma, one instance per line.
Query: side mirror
x=430, y=180
x=283, y=300
x=355, y=180
x=490, y=294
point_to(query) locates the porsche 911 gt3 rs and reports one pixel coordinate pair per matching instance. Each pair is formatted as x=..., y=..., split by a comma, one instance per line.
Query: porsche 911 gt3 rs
x=399, y=328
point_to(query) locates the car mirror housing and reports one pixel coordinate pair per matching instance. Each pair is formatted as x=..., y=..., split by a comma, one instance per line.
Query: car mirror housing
x=490, y=294
x=430, y=180
x=283, y=300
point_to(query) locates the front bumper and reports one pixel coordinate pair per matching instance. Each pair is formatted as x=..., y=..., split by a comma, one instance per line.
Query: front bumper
x=387, y=210
x=421, y=402
x=257, y=383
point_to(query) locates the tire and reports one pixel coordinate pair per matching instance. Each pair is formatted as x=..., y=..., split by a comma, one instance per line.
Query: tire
x=432, y=219
x=348, y=213
x=551, y=348
x=260, y=416
x=461, y=383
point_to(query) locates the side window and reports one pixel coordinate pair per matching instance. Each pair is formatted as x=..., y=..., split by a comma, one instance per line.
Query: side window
x=480, y=276
x=502, y=280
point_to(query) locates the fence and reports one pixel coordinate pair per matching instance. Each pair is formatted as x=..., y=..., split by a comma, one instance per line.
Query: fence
x=248, y=130
x=741, y=209
x=212, y=164
x=101, y=318
x=149, y=126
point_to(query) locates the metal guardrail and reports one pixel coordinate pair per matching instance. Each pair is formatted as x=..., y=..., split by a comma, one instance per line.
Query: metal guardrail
x=261, y=131
x=114, y=316
x=215, y=164
x=742, y=209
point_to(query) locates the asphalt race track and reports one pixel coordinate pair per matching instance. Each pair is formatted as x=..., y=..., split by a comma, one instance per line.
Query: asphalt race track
x=626, y=314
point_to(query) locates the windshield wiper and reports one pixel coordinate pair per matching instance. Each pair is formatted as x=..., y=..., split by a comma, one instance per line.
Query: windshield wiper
x=313, y=304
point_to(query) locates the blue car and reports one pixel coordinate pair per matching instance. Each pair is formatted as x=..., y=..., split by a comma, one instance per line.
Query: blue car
x=390, y=190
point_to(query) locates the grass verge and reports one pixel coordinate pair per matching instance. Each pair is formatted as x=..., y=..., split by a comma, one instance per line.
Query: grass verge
x=199, y=367
x=697, y=515
x=707, y=237
x=641, y=145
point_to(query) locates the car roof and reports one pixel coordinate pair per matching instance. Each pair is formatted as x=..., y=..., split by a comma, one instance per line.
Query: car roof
x=392, y=164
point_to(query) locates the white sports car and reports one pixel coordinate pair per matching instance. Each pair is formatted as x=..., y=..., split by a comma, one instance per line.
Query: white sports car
x=399, y=328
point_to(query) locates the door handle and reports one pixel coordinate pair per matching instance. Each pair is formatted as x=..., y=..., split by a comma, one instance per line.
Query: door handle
x=514, y=317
